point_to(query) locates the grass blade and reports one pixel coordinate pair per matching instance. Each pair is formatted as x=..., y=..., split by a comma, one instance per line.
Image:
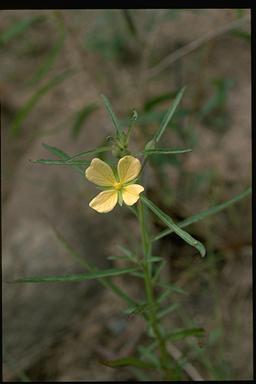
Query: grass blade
x=32, y=101
x=112, y=115
x=80, y=118
x=170, y=223
x=75, y=278
x=202, y=215
x=168, y=116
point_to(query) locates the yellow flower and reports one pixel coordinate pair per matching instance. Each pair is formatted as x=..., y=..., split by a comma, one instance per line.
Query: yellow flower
x=119, y=188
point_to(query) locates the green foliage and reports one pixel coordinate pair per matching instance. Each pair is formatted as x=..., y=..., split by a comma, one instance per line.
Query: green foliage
x=34, y=99
x=214, y=113
x=174, y=227
x=62, y=155
x=168, y=117
x=127, y=362
x=204, y=214
x=165, y=151
x=81, y=117
x=154, y=101
x=48, y=63
x=183, y=333
x=75, y=278
x=18, y=28
x=112, y=115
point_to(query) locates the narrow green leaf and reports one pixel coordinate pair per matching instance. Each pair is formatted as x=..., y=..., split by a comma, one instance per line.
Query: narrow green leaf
x=33, y=100
x=91, y=152
x=17, y=28
x=56, y=151
x=170, y=223
x=165, y=151
x=61, y=162
x=154, y=259
x=167, y=310
x=81, y=116
x=49, y=61
x=62, y=155
x=168, y=116
x=112, y=115
x=182, y=333
x=75, y=278
x=105, y=281
x=169, y=289
x=158, y=270
x=202, y=215
x=127, y=362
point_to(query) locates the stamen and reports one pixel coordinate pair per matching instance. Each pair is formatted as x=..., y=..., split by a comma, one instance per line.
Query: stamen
x=118, y=186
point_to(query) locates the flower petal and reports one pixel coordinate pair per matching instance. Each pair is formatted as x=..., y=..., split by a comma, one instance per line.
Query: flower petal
x=131, y=193
x=104, y=201
x=128, y=168
x=100, y=173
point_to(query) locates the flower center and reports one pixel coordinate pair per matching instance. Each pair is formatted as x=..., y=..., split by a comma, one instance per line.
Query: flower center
x=118, y=186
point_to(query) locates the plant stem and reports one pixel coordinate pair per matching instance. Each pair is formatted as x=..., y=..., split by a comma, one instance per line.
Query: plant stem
x=152, y=313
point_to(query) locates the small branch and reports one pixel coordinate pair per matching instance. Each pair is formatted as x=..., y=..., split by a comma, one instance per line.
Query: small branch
x=193, y=45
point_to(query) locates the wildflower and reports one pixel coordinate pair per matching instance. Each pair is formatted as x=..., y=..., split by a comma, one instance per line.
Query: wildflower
x=117, y=188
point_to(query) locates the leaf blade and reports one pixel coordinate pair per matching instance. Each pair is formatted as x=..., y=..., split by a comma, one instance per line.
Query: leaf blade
x=206, y=213
x=112, y=114
x=127, y=362
x=75, y=278
x=170, y=223
x=165, y=151
x=167, y=118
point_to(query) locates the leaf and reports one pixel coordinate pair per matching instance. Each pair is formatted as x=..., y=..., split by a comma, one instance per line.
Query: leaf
x=17, y=28
x=75, y=278
x=33, y=100
x=165, y=151
x=61, y=162
x=111, y=113
x=170, y=223
x=105, y=281
x=168, y=116
x=154, y=259
x=202, y=215
x=242, y=34
x=91, y=152
x=169, y=288
x=127, y=362
x=81, y=117
x=167, y=310
x=183, y=333
x=62, y=155
x=49, y=61
x=56, y=151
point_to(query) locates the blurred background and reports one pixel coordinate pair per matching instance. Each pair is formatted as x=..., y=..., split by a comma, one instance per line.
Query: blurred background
x=54, y=67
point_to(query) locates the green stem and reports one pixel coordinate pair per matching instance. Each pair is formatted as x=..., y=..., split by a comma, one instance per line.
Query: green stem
x=152, y=313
